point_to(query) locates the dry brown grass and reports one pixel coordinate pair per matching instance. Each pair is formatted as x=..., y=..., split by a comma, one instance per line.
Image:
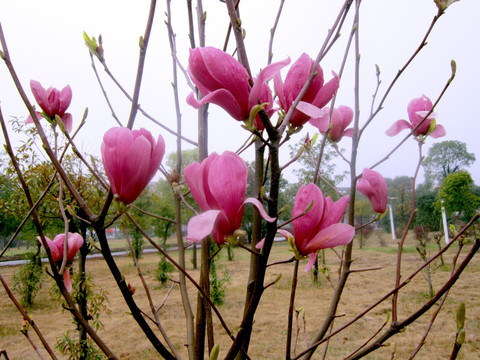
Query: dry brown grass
x=124, y=337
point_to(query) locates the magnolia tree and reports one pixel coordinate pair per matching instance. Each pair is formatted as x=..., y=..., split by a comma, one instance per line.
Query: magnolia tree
x=270, y=110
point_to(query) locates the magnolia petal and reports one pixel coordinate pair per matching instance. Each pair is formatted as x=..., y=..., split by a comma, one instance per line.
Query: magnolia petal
x=311, y=260
x=334, y=211
x=312, y=110
x=326, y=93
x=334, y=235
x=374, y=187
x=30, y=119
x=222, y=98
x=134, y=170
x=65, y=99
x=75, y=242
x=54, y=250
x=67, y=121
x=261, y=210
x=422, y=103
x=229, y=72
x=265, y=75
x=194, y=177
x=260, y=244
x=39, y=93
x=278, y=85
x=66, y=279
x=202, y=225
x=348, y=132
x=438, y=132
x=397, y=127
x=305, y=226
x=227, y=181
x=285, y=233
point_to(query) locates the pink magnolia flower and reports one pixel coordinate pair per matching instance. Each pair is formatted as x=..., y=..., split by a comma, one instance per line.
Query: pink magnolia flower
x=223, y=81
x=74, y=243
x=341, y=118
x=374, y=187
x=218, y=185
x=130, y=158
x=53, y=102
x=417, y=110
x=318, y=93
x=320, y=227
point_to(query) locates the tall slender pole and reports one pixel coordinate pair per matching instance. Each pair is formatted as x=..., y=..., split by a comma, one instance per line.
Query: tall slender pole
x=445, y=224
x=392, y=224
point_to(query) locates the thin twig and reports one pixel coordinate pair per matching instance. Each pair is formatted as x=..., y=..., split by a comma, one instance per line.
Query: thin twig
x=141, y=63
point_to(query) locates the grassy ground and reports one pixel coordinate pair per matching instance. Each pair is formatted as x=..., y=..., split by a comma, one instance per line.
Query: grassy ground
x=363, y=288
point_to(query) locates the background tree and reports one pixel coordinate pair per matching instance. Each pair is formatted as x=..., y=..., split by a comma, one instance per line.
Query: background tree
x=329, y=175
x=400, y=192
x=446, y=157
x=456, y=193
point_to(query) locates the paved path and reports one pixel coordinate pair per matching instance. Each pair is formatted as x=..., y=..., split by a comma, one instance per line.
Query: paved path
x=98, y=255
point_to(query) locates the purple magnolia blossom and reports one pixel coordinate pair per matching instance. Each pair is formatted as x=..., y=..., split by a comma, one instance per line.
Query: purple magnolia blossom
x=417, y=110
x=218, y=185
x=320, y=227
x=130, y=158
x=223, y=81
x=341, y=118
x=74, y=243
x=53, y=102
x=318, y=93
x=374, y=187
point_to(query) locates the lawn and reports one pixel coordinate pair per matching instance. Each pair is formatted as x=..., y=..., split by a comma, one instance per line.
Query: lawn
x=268, y=342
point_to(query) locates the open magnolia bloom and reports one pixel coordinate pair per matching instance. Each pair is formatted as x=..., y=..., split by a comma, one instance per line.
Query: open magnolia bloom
x=74, y=243
x=316, y=223
x=318, y=93
x=53, y=102
x=374, y=187
x=320, y=118
x=417, y=110
x=218, y=185
x=130, y=158
x=223, y=81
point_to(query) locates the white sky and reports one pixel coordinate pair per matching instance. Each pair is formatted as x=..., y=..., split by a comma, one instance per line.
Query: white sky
x=46, y=44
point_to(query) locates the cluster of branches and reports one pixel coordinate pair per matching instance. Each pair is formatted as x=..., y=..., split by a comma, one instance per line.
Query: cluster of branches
x=82, y=214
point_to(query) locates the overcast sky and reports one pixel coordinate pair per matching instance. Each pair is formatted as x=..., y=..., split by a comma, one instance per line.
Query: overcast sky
x=45, y=43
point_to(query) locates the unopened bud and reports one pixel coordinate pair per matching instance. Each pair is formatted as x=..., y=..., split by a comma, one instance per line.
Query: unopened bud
x=215, y=352
x=461, y=316
x=174, y=177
